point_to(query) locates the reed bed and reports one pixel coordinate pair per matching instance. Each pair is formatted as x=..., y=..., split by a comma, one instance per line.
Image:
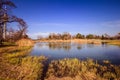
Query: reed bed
x=16, y=64
x=74, y=69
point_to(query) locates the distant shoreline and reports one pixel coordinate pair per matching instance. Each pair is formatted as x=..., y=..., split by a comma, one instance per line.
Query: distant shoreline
x=83, y=41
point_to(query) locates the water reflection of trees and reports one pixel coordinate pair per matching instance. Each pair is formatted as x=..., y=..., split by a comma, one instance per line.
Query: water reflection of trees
x=104, y=44
x=90, y=45
x=65, y=46
x=40, y=45
x=79, y=47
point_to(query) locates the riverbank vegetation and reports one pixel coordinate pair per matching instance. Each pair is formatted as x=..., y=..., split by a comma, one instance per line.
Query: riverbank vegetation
x=84, y=41
x=80, y=38
x=16, y=64
x=68, y=36
x=74, y=69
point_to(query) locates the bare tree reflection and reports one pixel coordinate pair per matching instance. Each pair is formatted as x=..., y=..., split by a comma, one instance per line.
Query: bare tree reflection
x=79, y=47
x=90, y=45
x=40, y=45
x=65, y=46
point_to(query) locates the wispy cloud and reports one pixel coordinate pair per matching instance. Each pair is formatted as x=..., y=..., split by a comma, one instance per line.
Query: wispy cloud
x=44, y=29
x=49, y=27
x=111, y=24
x=35, y=35
x=50, y=24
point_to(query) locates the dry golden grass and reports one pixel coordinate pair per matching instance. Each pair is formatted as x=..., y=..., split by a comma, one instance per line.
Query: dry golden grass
x=85, y=41
x=54, y=41
x=15, y=64
x=25, y=42
x=74, y=69
x=80, y=41
x=114, y=42
x=89, y=41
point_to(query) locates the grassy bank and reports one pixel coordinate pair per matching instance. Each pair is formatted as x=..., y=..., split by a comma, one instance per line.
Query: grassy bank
x=113, y=42
x=15, y=64
x=74, y=69
x=84, y=41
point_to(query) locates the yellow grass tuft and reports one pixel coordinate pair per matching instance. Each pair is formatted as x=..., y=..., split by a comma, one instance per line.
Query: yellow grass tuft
x=25, y=42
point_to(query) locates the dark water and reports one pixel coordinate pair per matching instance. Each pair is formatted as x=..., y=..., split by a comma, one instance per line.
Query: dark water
x=81, y=51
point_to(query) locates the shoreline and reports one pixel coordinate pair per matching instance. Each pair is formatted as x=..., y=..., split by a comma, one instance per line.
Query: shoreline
x=19, y=64
x=83, y=41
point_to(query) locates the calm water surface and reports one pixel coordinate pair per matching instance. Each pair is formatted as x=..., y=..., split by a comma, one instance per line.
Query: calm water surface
x=74, y=50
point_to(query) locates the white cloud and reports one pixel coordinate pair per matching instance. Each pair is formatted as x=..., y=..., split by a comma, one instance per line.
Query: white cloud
x=35, y=35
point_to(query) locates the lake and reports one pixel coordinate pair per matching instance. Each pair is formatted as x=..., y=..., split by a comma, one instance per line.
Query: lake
x=61, y=50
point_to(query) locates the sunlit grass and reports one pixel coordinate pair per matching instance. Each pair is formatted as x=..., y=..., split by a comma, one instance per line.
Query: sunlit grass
x=31, y=68
x=82, y=70
x=115, y=42
x=16, y=64
x=86, y=41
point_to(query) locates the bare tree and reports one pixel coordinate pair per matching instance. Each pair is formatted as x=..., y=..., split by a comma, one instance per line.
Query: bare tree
x=6, y=18
x=4, y=6
x=66, y=36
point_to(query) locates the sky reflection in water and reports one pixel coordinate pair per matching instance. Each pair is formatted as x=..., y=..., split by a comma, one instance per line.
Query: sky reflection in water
x=75, y=50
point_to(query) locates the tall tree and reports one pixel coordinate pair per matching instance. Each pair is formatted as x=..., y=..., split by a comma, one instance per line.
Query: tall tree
x=117, y=36
x=6, y=18
x=66, y=36
x=90, y=36
x=79, y=36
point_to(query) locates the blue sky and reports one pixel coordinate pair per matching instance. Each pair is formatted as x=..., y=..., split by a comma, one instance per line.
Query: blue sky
x=83, y=16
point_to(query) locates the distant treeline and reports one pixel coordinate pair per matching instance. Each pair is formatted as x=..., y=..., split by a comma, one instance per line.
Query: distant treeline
x=67, y=36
